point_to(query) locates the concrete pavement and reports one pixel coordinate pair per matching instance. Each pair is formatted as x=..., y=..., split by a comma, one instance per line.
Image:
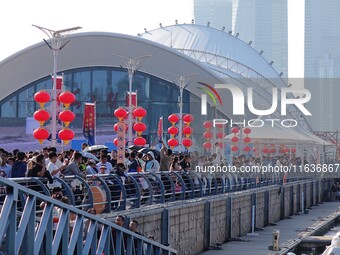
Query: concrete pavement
x=290, y=231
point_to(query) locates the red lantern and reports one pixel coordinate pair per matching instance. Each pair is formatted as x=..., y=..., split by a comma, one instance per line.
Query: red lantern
x=66, y=116
x=234, y=148
x=219, y=135
x=66, y=135
x=187, y=142
x=246, y=139
x=173, y=118
x=41, y=134
x=293, y=150
x=207, y=135
x=221, y=145
x=234, y=139
x=115, y=127
x=272, y=150
x=139, y=141
x=41, y=116
x=139, y=127
x=67, y=98
x=286, y=150
x=265, y=150
x=172, y=142
x=139, y=113
x=219, y=125
x=188, y=118
x=120, y=113
x=247, y=148
x=42, y=97
x=187, y=131
x=207, y=124
x=207, y=145
x=234, y=130
x=247, y=131
x=172, y=131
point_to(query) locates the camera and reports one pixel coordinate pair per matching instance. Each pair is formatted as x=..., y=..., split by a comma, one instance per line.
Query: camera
x=58, y=196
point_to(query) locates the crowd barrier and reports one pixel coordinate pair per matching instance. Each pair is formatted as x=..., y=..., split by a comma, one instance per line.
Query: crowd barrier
x=110, y=192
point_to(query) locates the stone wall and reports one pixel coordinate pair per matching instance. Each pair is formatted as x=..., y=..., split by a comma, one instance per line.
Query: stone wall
x=192, y=226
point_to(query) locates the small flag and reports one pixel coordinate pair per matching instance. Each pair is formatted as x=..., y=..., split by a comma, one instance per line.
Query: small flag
x=89, y=124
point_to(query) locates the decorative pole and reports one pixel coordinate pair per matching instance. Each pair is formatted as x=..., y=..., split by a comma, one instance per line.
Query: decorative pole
x=182, y=82
x=56, y=44
x=132, y=65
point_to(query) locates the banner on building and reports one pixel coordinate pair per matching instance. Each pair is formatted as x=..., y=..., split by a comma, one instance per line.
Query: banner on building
x=133, y=99
x=160, y=129
x=89, y=124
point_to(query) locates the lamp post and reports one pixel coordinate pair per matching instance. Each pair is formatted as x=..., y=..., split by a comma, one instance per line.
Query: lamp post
x=132, y=65
x=182, y=82
x=56, y=44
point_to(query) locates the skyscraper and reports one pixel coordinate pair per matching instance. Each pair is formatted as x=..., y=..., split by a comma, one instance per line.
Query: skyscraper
x=263, y=22
x=322, y=62
x=217, y=12
x=322, y=36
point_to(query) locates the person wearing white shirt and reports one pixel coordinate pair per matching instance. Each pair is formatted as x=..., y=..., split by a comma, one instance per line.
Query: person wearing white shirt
x=54, y=170
x=103, y=161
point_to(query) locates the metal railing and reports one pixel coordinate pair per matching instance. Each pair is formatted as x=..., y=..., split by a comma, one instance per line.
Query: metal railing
x=73, y=231
x=109, y=192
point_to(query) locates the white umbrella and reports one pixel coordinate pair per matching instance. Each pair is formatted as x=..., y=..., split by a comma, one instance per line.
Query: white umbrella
x=87, y=154
x=95, y=148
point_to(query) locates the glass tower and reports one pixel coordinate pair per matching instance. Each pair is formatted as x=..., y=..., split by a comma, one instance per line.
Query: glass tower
x=263, y=22
x=322, y=62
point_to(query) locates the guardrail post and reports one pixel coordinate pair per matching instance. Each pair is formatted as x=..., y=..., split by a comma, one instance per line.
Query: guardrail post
x=317, y=201
x=283, y=204
x=304, y=196
x=266, y=208
x=207, y=209
x=298, y=198
x=165, y=230
x=312, y=193
x=291, y=200
x=229, y=211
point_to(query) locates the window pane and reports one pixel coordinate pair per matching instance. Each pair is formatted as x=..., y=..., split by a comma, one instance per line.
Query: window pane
x=81, y=89
x=9, y=109
x=45, y=84
x=26, y=103
x=67, y=82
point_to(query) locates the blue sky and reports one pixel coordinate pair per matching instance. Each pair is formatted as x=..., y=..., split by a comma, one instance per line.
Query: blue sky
x=127, y=16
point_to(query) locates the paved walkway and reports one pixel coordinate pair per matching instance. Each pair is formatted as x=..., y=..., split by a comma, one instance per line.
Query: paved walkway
x=289, y=230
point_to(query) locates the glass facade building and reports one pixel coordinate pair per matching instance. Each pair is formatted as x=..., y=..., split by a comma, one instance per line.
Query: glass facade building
x=107, y=86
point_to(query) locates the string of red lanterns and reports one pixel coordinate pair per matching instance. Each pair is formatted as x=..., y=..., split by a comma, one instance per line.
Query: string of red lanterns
x=187, y=131
x=247, y=139
x=66, y=116
x=139, y=127
x=42, y=115
x=41, y=97
x=234, y=139
x=207, y=135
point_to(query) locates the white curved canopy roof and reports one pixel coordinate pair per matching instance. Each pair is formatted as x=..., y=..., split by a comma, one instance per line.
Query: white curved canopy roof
x=97, y=49
x=211, y=40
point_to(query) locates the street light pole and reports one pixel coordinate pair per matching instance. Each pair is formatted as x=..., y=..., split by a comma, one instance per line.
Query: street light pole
x=182, y=82
x=132, y=65
x=56, y=44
